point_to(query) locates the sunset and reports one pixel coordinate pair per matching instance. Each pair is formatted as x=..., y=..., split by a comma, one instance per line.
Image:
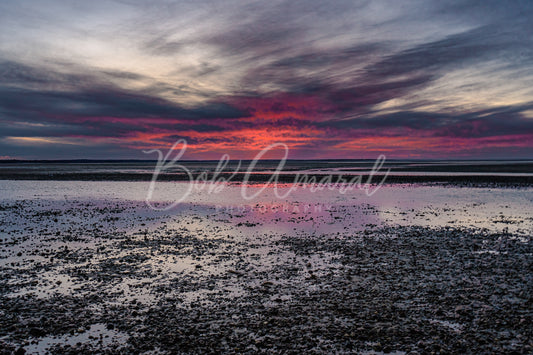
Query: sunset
x=266, y=177
x=354, y=79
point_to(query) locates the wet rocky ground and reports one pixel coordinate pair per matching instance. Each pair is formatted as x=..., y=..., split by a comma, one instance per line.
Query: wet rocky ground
x=115, y=277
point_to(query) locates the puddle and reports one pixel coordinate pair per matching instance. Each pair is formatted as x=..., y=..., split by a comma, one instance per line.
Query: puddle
x=97, y=334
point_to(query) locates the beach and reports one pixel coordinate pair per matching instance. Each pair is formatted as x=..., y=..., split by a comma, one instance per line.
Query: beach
x=266, y=177
x=88, y=266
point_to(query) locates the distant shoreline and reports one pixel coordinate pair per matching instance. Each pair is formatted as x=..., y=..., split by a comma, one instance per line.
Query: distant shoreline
x=96, y=161
x=520, y=180
x=454, y=172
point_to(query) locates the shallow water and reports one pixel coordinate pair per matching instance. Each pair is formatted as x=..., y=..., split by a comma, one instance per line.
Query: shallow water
x=101, y=242
x=495, y=209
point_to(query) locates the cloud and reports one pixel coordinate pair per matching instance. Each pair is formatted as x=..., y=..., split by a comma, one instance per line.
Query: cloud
x=85, y=96
x=466, y=48
x=504, y=120
x=331, y=75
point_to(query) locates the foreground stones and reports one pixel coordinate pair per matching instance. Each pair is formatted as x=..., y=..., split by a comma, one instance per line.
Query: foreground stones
x=137, y=284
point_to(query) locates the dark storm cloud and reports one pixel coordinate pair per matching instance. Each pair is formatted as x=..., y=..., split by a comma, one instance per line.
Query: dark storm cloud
x=320, y=58
x=505, y=120
x=104, y=102
x=470, y=47
x=393, y=76
x=20, y=75
x=23, y=95
x=314, y=70
x=362, y=98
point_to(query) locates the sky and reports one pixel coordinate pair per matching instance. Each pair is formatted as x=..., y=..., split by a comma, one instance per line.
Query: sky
x=104, y=79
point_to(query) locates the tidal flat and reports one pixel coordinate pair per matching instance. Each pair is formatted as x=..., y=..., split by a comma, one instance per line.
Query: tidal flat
x=89, y=267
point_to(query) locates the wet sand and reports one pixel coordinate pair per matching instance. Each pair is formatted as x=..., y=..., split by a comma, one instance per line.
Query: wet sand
x=88, y=267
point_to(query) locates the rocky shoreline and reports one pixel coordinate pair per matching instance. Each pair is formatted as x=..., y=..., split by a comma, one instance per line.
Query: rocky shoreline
x=109, y=277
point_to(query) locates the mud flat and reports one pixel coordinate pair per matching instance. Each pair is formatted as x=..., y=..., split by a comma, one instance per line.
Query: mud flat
x=456, y=173
x=88, y=267
x=465, y=180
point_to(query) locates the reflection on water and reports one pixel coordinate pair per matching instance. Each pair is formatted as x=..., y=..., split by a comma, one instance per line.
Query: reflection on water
x=97, y=332
x=320, y=211
x=99, y=241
